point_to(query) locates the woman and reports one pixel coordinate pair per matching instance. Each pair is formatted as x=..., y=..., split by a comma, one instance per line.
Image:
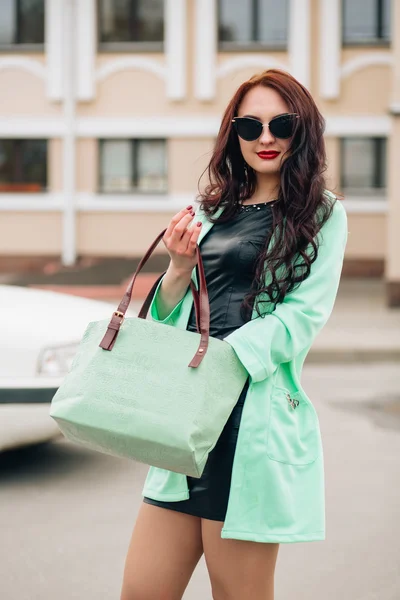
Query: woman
x=272, y=242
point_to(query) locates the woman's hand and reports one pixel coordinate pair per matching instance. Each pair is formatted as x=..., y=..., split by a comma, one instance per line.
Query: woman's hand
x=181, y=242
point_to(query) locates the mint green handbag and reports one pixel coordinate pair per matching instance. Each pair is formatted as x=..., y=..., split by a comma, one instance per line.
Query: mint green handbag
x=149, y=391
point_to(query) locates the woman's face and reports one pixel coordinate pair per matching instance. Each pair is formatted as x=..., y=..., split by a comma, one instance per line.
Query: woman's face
x=264, y=103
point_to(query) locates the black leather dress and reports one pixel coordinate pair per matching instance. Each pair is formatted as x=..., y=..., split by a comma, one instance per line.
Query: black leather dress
x=229, y=251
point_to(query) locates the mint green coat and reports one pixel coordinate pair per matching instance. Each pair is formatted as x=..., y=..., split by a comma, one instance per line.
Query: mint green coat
x=277, y=487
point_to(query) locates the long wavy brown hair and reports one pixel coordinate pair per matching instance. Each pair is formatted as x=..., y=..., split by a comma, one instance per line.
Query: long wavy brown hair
x=302, y=208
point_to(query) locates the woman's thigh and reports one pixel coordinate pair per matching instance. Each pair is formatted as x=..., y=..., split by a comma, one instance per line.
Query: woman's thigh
x=238, y=569
x=165, y=548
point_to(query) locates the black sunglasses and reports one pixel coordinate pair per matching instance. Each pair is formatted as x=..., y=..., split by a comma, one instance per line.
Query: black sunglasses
x=250, y=129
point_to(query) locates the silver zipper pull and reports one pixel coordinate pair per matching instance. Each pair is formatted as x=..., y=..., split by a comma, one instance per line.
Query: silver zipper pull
x=293, y=403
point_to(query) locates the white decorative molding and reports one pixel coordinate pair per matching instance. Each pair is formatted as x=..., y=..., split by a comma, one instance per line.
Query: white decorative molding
x=54, y=48
x=264, y=61
x=200, y=126
x=69, y=231
x=205, y=51
x=131, y=63
x=87, y=202
x=369, y=125
x=148, y=127
x=206, y=69
x=172, y=72
x=357, y=205
x=366, y=60
x=35, y=67
x=208, y=126
x=330, y=48
x=395, y=91
x=85, y=55
x=42, y=202
x=299, y=40
x=144, y=203
x=175, y=48
x=28, y=127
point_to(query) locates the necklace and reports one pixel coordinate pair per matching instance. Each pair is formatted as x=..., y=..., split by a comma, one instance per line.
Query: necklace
x=251, y=207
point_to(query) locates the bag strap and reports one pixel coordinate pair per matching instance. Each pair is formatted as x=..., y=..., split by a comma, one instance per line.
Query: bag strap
x=200, y=298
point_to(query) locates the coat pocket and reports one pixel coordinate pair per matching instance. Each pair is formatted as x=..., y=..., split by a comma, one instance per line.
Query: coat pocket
x=293, y=435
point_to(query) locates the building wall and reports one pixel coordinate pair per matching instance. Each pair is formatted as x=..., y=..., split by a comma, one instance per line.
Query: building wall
x=180, y=94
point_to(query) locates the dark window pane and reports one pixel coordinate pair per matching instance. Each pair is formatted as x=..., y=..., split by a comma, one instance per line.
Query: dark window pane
x=133, y=165
x=31, y=21
x=116, y=166
x=272, y=22
x=366, y=21
x=363, y=163
x=248, y=22
x=386, y=20
x=8, y=22
x=151, y=165
x=21, y=22
x=34, y=161
x=23, y=165
x=131, y=20
x=235, y=25
x=6, y=161
x=380, y=166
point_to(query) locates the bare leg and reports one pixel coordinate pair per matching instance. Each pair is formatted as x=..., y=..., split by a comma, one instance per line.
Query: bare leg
x=238, y=569
x=165, y=548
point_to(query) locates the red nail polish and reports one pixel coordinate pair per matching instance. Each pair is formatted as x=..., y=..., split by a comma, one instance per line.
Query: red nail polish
x=198, y=224
x=189, y=207
x=192, y=213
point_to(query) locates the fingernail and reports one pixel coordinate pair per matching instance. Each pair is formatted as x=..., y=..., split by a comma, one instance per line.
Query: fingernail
x=189, y=207
x=192, y=213
x=198, y=224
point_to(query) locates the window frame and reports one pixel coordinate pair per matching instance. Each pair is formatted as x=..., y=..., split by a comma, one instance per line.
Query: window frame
x=378, y=42
x=120, y=47
x=21, y=47
x=133, y=191
x=17, y=142
x=254, y=46
x=380, y=172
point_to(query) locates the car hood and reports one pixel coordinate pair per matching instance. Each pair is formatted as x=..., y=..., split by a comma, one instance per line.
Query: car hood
x=31, y=320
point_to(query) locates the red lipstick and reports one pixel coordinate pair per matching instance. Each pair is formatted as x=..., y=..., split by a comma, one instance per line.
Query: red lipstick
x=268, y=155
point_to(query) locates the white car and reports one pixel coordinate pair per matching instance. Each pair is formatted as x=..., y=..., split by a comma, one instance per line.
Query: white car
x=39, y=334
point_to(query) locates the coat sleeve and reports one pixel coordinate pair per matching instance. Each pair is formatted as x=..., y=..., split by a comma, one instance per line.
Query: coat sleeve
x=264, y=342
x=172, y=316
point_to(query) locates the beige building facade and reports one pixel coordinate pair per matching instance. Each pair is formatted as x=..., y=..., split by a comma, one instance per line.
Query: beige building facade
x=109, y=111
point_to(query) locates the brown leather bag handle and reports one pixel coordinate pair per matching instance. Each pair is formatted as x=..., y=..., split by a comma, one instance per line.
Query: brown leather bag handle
x=201, y=305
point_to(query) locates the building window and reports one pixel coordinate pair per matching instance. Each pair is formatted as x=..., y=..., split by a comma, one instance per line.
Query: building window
x=366, y=21
x=21, y=23
x=252, y=24
x=363, y=165
x=23, y=165
x=130, y=23
x=133, y=166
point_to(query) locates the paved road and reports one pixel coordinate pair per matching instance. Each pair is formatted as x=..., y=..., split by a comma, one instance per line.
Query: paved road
x=66, y=514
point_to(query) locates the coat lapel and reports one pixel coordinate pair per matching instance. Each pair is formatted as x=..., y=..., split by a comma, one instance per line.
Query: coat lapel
x=206, y=226
x=206, y=223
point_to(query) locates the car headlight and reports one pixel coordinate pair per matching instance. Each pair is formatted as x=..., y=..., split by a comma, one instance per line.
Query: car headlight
x=56, y=361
